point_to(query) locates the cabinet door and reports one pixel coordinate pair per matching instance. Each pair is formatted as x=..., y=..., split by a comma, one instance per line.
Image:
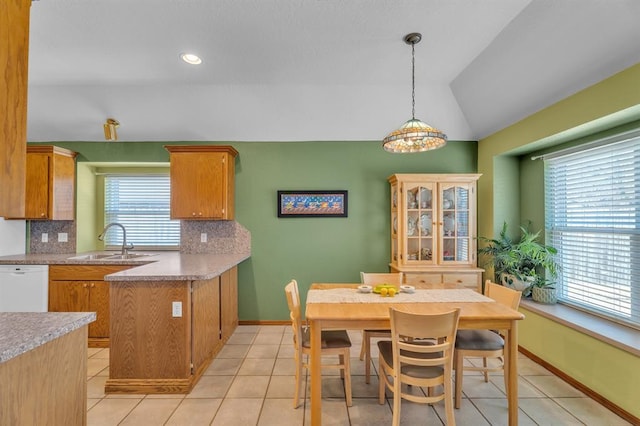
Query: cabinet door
x=457, y=222
x=418, y=223
x=37, y=204
x=69, y=296
x=99, y=303
x=197, y=185
x=229, y=302
x=205, y=319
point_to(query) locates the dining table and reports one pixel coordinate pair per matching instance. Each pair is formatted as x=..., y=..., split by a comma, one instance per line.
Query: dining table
x=343, y=306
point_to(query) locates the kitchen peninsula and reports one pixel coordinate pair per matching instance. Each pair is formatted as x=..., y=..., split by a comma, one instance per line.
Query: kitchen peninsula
x=170, y=313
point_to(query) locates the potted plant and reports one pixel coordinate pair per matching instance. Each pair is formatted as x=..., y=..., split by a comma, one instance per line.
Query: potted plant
x=520, y=265
x=544, y=291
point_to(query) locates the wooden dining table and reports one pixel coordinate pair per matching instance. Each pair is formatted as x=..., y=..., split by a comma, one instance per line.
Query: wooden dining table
x=336, y=306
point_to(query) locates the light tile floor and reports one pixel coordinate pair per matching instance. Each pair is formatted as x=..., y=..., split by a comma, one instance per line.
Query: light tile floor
x=251, y=383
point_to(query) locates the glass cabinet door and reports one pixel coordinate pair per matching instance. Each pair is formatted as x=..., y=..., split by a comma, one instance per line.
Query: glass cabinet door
x=456, y=239
x=419, y=223
x=394, y=224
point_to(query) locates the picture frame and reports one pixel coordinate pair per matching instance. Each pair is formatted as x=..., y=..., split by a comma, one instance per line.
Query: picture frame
x=321, y=203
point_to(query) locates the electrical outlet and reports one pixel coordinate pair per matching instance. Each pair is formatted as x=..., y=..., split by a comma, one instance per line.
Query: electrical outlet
x=45, y=237
x=176, y=309
x=63, y=237
x=203, y=237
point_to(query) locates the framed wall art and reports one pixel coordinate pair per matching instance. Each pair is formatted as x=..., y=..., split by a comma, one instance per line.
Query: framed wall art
x=312, y=203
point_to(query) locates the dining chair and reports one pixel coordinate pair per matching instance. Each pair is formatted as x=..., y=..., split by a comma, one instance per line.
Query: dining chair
x=372, y=279
x=484, y=343
x=334, y=342
x=424, y=360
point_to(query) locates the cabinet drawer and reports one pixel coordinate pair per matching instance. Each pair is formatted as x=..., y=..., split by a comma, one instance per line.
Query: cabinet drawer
x=471, y=281
x=422, y=279
x=83, y=272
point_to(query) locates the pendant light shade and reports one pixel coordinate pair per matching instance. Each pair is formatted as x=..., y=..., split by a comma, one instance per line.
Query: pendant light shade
x=414, y=135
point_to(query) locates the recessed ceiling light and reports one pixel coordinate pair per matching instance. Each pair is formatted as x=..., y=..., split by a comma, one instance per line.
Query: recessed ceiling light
x=190, y=58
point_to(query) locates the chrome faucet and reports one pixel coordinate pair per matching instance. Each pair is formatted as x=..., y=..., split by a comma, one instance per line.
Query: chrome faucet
x=125, y=247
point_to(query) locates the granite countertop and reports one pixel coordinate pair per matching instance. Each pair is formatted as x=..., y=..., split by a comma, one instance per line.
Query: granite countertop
x=159, y=266
x=21, y=332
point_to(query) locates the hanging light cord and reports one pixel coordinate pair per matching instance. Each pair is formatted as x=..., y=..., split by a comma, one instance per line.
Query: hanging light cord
x=413, y=81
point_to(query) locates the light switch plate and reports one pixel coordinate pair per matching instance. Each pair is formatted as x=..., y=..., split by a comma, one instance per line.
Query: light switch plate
x=45, y=237
x=176, y=309
x=203, y=237
x=63, y=237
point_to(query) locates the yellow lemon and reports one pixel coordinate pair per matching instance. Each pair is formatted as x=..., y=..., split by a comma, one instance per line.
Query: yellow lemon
x=392, y=291
x=383, y=291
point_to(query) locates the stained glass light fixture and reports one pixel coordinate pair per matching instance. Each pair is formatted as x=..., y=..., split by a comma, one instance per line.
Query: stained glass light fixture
x=414, y=135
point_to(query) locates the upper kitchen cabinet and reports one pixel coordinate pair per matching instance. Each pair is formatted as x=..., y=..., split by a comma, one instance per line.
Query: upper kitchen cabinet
x=202, y=181
x=14, y=55
x=51, y=177
x=433, y=229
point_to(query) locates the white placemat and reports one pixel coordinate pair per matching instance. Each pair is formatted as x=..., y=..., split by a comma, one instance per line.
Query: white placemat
x=352, y=295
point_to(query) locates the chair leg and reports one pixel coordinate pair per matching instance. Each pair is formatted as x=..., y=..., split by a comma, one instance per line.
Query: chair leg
x=485, y=363
x=366, y=344
x=347, y=377
x=299, y=369
x=364, y=336
x=382, y=380
x=458, y=360
x=397, y=400
x=448, y=398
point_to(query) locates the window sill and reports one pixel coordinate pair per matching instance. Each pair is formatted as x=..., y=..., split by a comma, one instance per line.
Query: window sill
x=617, y=335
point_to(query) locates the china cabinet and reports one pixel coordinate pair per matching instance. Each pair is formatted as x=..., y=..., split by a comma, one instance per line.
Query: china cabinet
x=433, y=229
x=202, y=181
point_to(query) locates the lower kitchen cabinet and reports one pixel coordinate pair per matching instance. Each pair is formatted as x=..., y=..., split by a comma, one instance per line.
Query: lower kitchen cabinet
x=81, y=288
x=164, y=334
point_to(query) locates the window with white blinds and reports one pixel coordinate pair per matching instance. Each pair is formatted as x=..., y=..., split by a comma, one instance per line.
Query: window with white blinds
x=592, y=216
x=141, y=204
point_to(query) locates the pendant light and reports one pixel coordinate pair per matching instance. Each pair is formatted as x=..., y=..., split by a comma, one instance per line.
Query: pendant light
x=414, y=135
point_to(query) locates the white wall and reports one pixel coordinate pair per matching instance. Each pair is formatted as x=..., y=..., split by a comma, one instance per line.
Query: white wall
x=12, y=237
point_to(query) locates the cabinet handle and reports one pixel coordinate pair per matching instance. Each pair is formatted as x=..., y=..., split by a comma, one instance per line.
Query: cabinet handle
x=84, y=285
x=93, y=285
x=43, y=214
x=193, y=213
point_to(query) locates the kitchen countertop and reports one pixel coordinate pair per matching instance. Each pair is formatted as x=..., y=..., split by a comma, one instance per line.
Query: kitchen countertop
x=21, y=332
x=161, y=266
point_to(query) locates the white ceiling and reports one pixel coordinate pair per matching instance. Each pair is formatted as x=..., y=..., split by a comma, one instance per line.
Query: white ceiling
x=300, y=70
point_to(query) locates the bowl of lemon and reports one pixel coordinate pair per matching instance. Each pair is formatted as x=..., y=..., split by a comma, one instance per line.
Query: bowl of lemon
x=386, y=290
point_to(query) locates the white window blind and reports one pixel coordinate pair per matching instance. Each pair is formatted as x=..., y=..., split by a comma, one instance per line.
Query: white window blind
x=141, y=204
x=592, y=216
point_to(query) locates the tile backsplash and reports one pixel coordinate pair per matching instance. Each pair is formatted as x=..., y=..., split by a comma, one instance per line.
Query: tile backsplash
x=222, y=237
x=56, y=231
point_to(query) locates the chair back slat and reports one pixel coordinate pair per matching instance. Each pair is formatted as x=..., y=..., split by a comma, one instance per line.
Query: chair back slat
x=503, y=295
x=293, y=300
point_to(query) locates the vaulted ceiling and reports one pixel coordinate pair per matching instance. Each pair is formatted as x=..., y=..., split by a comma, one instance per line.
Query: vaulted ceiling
x=313, y=70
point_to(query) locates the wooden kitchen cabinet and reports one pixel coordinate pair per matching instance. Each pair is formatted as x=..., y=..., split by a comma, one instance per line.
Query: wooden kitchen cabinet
x=433, y=229
x=81, y=288
x=202, y=181
x=50, y=184
x=155, y=350
x=14, y=60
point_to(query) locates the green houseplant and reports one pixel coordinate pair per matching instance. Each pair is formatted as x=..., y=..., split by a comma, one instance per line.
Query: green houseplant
x=522, y=264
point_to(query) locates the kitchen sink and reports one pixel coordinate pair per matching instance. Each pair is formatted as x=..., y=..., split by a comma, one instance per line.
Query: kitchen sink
x=110, y=256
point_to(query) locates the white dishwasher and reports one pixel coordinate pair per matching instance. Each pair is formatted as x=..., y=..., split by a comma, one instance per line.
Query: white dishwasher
x=24, y=288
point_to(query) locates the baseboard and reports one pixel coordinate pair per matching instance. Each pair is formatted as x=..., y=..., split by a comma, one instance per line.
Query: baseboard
x=581, y=387
x=270, y=322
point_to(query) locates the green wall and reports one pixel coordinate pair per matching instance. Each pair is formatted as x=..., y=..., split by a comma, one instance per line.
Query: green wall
x=306, y=249
x=512, y=189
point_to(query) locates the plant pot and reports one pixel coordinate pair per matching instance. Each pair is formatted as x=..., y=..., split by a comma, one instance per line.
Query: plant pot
x=514, y=283
x=544, y=295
